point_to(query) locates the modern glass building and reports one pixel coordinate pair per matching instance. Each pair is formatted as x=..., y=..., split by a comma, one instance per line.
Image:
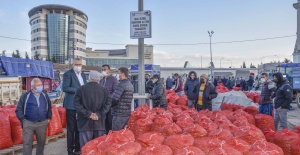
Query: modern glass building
x=110, y=61
x=58, y=31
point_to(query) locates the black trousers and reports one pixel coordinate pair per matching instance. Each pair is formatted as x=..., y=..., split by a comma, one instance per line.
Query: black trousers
x=72, y=132
x=108, y=122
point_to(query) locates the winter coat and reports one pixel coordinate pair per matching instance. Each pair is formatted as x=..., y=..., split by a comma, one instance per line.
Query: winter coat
x=109, y=83
x=158, y=95
x=190, y=85
x=178, y=85
x=122, y=98
x=209, y=93
x=92, y=98
x=169, y=83
x=250, y=81
x=149, y=86
x=135, y=86
x=266, y=92
x=283, y=95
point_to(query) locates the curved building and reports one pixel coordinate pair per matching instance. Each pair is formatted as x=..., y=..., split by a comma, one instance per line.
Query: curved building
x=58, y=31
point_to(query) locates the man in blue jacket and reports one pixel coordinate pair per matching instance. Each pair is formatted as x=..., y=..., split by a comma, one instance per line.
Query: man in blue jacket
x=283, y=99
x=169, y=83
x=34, y=112
x=190, y=87
x=72, y=80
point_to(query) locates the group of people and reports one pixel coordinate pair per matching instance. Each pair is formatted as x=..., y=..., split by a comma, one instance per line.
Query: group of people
x=230, y=82
x=101, y=103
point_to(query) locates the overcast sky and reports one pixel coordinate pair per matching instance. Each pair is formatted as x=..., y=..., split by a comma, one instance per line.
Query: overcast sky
x=175, y=22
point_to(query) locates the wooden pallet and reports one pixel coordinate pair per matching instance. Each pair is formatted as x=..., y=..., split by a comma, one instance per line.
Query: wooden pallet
x=55, y=137
x=12, y=150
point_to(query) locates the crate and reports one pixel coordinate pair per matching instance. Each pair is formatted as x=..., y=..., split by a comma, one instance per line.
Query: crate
x=55, y=137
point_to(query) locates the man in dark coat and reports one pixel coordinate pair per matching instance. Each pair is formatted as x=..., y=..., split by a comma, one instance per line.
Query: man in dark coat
x=189, y=88
x=158, y=94
x=121, y=101
x=283, y=99
x=169, y=83
x=250, y=83
x=110, y=83
x=72, y=80
x=92, y=102
x=267, y=90
x=135, y=84
x=206, y=92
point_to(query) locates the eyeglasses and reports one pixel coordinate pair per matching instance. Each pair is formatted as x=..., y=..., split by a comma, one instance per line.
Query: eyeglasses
x=77, y=64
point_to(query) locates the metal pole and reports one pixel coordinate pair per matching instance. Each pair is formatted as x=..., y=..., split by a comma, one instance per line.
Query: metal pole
x=201, y=61
x=141, y=59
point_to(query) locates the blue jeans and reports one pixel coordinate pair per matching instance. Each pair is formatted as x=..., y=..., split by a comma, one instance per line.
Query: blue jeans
x=266, y=109
x=180, y=93
x=281, y=115
x=249, y=88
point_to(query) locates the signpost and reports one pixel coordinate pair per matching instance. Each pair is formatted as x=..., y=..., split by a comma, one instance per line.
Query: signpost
x=140, y=28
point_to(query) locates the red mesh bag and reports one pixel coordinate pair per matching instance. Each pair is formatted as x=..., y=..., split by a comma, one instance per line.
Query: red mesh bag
x=207, y=144
x=195, y=130
x=239, y=145
x=123, y=135
x=132, y=148
x=182, y=100
x=171, y=129
x=157, y=150
x=295, y=148
x=221, y=134
x=5, y=130
x=202, y=119
x=158, y=110
x=63, y=116
x=179, y=141
x=159, y=123
x=190, y=150
x=250, y=134
x=183, y=107
x=225, y=150
x=182, y=114
x=90, y=147
x=54, y=126
x=172, y=98
x=142, y=126
x=143, y=107
x=285, y=139
x=297, y=130
x=229, y=126
x=16, y=130
x=266, y=148
x=151, y=138
x=270, y=136
x=175, y=111
x=264, y=122
x=185, y=121
x=170, y=92
x=249, y=117
x=168, y=114
x=251, y=110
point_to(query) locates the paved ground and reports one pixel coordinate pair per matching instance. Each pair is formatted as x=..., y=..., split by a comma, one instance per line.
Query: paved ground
x=294, y=116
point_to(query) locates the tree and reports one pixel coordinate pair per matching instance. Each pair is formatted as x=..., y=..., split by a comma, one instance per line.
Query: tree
x=26, y=55
x=252, y=66
x=286, y=60
x=13, y=54
x=18, y=54
x=244, y=65
x=3, y=53
x=48, y=58
x=36, y=56
x=53, y=59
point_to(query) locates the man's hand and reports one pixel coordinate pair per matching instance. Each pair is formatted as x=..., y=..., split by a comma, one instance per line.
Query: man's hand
x=149, y=95
x=94, y=117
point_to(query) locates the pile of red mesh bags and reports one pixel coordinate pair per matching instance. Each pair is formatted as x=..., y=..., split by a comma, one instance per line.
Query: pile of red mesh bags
x=264, y=122
x=54, y=126
x=5, y=130
x=285, y=139
x=63, y=116
x=221, y=88
x=255, y=97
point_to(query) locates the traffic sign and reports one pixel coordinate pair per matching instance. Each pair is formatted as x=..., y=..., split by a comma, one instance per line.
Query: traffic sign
x=140, y=24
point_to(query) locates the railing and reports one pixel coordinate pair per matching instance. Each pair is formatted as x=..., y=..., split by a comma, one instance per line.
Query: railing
x=137, y=96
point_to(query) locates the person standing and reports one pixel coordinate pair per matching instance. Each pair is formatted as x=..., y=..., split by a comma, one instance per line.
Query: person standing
x=256, y=84
x=109, y=82
x=92, y=103
x=267, y=90
x=178, y=85
x=215, y=81
x=233, y=81
x=250, y=83
x=238, y=82
x=158, y=94
x=189, y=88
x=229, y=84
x=135, y=84
x=148, y=84
x=206, y=92
x=72, y=80
x=121, y=100
x=283, y=98
x=34, y=112
x=169, y=83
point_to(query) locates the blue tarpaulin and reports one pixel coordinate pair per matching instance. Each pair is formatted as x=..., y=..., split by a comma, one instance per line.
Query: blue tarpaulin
x=136, y=67
x=26, y=67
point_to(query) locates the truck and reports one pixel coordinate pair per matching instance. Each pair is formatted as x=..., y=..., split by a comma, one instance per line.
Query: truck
x=17, y=73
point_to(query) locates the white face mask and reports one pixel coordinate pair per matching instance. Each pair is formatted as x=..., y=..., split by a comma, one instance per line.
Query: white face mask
x=263, y=80
x=104, y=73
x=77, y=68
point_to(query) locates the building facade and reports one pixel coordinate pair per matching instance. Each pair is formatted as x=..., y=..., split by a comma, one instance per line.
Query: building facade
x=118, y=57
x=58, y=31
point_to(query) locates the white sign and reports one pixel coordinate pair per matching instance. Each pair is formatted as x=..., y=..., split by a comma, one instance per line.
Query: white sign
x=140, y=24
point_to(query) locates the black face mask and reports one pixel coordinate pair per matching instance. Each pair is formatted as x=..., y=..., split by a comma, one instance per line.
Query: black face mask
x=201, y=80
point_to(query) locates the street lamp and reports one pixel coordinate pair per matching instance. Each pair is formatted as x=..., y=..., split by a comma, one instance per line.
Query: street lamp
x=210, y=33
x=221, y=62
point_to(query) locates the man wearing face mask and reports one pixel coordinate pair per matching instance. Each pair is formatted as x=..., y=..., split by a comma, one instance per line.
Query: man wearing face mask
x=267, y=90
x=110, y=83
x=158, y=94
x=283, y=97
x=34, y=112
x=121, y=100
x=206, y=91
x=72, y=80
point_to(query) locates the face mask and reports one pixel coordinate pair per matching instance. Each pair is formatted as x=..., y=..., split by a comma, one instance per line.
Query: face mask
x=201, y=80
x=77, y=68
x=39, y=89
x=263, y=80
x=104, y=73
